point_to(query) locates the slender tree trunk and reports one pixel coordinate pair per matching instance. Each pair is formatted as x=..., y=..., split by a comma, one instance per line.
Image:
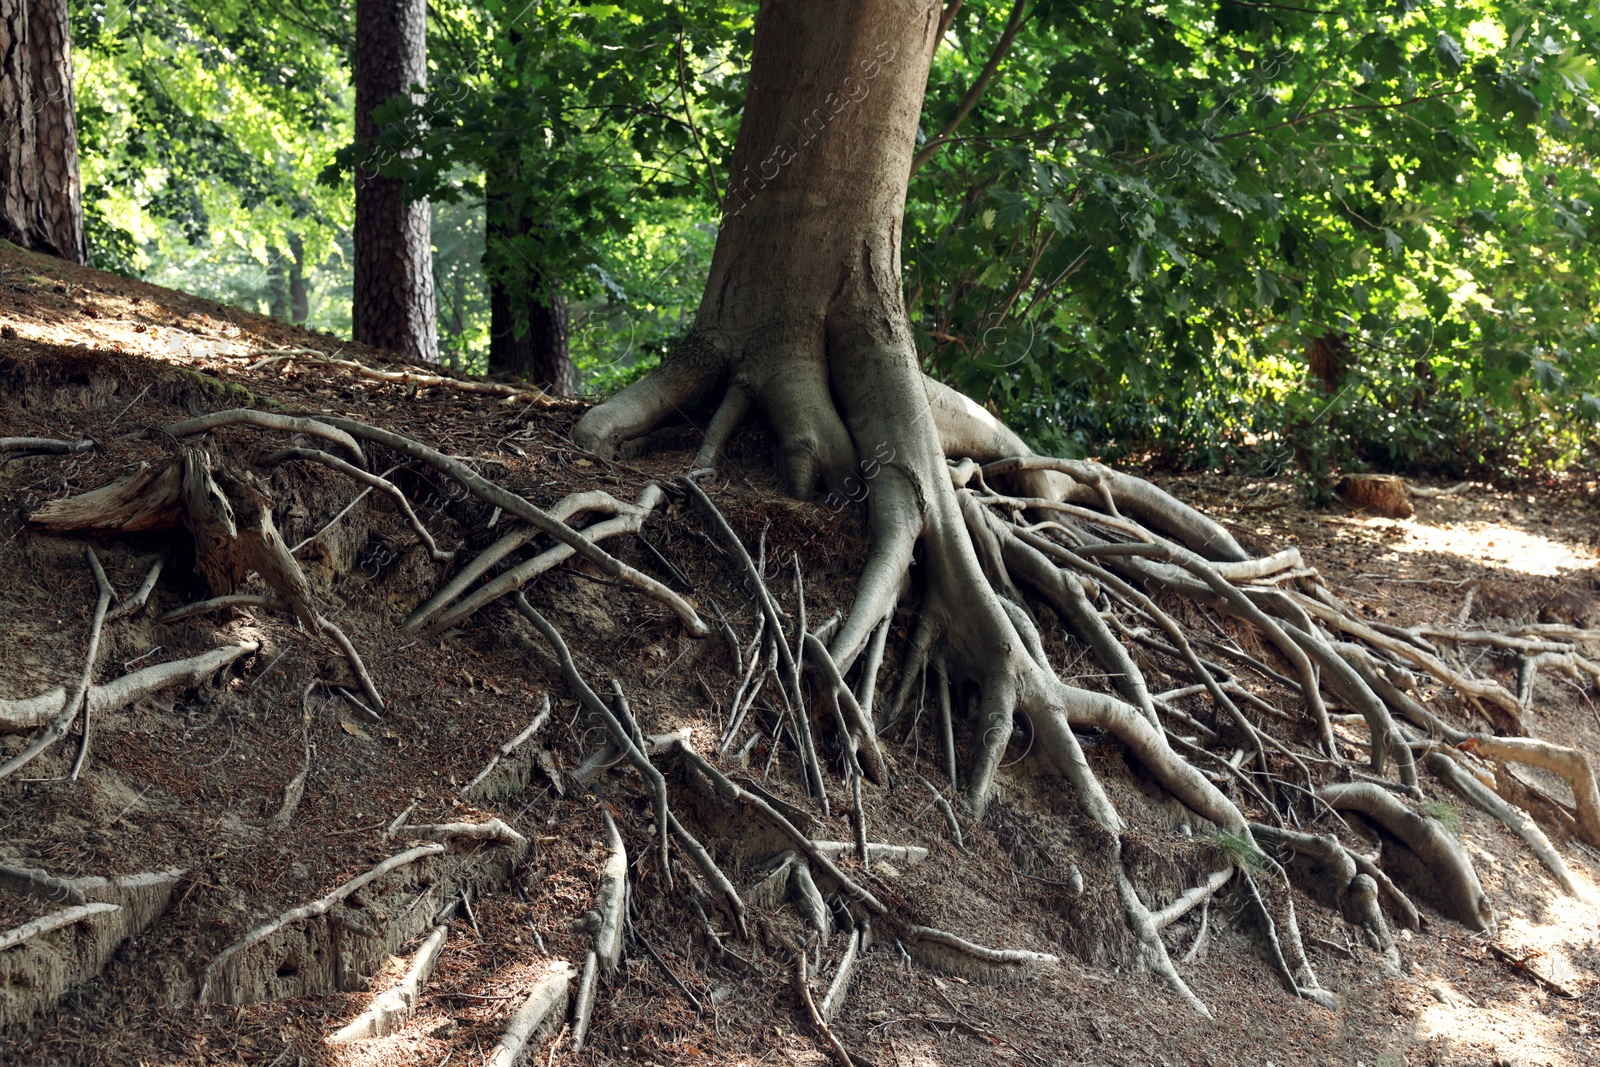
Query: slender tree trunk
x=299, y=295
x=528, y=333
x=393, y=305
x=41, y=202
x=278, y=288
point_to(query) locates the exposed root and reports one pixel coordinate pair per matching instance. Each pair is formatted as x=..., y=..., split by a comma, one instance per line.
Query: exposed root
x=1191, y=899
x=141, y=596
x=311, y=358
x=375, y=481
x=23, y=447
x=1442, y=854
x=839, y=988
x=54, y=921
x=523, y=509
x=612, y=897
x=1571, y=765
x=20, y=715
x=1334, y=879
x=543, y=1009
x=490, y=783
x=389, y=1011
x=76, y=701
x=1519, y=822
x=267, y=420
x=442, y=610
x=583, y=1003
x=957, y=955
x=314, y=948
x=803, y=987
x=42, y=959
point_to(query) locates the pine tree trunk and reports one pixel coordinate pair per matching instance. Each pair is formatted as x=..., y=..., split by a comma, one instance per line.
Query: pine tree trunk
x=41, y=202
x=393, y=304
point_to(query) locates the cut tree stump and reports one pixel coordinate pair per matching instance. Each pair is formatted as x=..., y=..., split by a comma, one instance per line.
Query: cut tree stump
x=1382, y=494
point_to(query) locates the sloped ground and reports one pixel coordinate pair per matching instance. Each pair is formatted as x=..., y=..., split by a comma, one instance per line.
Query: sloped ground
x=193, y=779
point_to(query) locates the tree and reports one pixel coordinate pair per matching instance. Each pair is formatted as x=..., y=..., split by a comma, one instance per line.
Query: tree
x=803, y=321
x=529, y=326
x=41, y=203
x=393, y=305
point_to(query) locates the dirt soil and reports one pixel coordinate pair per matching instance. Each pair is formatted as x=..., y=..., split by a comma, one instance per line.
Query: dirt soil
x=192, y=779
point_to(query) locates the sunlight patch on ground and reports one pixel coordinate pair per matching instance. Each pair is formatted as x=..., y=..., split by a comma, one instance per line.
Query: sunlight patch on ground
x=1516, y=1033
x=1488, y=544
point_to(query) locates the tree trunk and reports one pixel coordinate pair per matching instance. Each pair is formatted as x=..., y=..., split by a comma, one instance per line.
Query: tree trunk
x=41, y=202
x=528, y=333
x=299, y=295
x=393, y=304
x=537, y=348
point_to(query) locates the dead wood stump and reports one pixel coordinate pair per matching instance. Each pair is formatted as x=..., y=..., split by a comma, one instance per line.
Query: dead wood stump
x=1382, y=494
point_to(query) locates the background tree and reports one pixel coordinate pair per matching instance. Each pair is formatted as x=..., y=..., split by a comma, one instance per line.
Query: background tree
x=393, y=305
x=41, y=205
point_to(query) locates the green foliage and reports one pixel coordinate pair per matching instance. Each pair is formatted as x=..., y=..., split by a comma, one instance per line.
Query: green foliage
x=1153, y=214
x=1127, y=248
x=1443, y=812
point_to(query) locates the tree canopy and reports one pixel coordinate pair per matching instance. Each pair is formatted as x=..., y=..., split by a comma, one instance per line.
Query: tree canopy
x=1127, y=230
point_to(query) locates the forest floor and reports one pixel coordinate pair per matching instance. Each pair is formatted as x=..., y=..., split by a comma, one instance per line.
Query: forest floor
x=192, y=780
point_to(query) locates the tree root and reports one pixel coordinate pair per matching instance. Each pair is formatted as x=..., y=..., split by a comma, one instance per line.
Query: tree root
x=507, y=782
x=1442, y=854
x=523, y=509
x=544, y=1007
x=267, y=420
x=1570, y=764
x=314, y=455
x=54, y=921
x=314, y=948
x=24, y=447
x=41, y=960
x=1519, y=822
x=803, y=987
x=19, y=715
x=1333, y=869
x=839, y=988
x=389, y=1011
x=77, y=701
x=312, y=358
x=437, y=611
